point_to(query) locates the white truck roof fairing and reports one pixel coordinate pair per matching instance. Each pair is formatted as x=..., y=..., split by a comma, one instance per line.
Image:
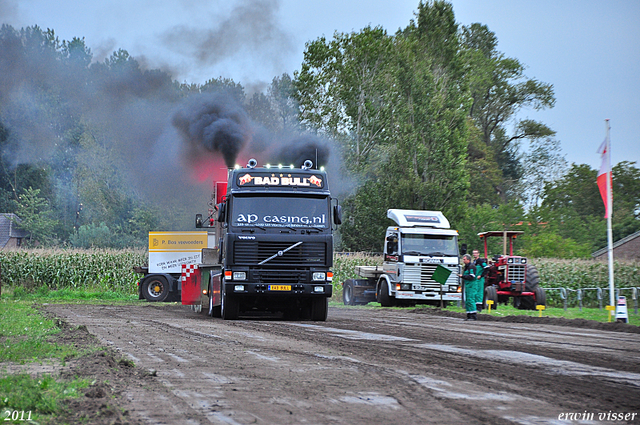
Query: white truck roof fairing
x=422, y=231
x=417, y=218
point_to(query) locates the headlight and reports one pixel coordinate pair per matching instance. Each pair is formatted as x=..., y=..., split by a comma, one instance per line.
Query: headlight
x=238, y=288
x=318, y=289
x=239, y=276
x=453, y=288
x=510, y=261
x=319, y=276
x=524, y=261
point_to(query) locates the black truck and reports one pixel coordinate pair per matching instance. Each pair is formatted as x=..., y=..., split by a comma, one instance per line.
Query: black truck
x=275, y=244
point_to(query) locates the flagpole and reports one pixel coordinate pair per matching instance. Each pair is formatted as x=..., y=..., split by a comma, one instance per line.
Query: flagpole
x=610, y=213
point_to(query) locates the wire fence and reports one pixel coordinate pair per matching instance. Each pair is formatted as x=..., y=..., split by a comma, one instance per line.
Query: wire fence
x=588, y=297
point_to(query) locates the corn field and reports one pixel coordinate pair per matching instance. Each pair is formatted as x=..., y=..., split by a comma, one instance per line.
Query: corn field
x=107, y=270
x=113, y=270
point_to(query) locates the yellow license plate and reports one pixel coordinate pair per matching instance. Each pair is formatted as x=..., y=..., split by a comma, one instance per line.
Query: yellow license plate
x=279, y=287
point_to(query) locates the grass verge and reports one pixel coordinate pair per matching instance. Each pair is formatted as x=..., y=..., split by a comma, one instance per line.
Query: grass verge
x=594, y=314
x=26, y=336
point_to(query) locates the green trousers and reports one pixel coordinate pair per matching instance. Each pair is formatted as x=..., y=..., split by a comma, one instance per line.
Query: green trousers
x=473, y=293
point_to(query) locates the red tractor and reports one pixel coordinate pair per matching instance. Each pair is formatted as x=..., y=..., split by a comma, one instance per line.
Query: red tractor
x=511, y=276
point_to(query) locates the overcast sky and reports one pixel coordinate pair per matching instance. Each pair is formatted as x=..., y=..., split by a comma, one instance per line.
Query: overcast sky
x=589, y=50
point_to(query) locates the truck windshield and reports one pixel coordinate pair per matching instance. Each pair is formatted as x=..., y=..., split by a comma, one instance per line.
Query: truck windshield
x=436, y=245
x=280, y=211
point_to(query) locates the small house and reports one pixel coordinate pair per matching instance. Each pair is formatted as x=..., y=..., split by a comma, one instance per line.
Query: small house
x=11, y=235
x=627, y=248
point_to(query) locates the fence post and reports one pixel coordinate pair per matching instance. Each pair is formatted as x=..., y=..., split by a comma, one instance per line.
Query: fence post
x=563, y=295
x=600, y=297
x=634, y=295
x=579, y=296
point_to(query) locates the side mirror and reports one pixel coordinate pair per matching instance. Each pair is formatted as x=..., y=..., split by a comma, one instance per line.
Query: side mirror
x=337, y=214
x=463, y=248
x=198, y=221
x=221, y=211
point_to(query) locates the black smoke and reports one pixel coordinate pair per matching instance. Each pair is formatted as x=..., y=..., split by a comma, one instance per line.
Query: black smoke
x=214, y=123
x=300, y=149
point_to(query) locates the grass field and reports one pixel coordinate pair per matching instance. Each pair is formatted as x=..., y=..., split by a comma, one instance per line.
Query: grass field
x=25, y=337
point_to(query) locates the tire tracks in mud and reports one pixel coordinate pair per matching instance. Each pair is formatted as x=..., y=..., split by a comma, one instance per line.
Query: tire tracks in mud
x=363, y=366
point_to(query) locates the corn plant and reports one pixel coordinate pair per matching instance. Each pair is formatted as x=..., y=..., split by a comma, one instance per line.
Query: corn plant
x=106, y=270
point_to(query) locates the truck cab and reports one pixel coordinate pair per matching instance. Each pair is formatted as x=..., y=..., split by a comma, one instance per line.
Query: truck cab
x=276, y=245
x=414, y=249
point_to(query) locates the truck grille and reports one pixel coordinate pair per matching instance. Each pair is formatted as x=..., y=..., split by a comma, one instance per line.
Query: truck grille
x=421, y=274
x=287, y=277
x=516, y=272
x=253, y=252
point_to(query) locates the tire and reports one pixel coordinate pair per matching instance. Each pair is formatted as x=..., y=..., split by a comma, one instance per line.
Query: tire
x=541, y=296
x=213, y=311
x=533, y=278
x=155, y=289
x=347, y=294
x=319, y=309
x=229, y=308
x=490, y=293
x=531, y=284
x=383, y=296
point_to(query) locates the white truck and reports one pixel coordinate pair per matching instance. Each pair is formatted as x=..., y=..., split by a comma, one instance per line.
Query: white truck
x=413, y=250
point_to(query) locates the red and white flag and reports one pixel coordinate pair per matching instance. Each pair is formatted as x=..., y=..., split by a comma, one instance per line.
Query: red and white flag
x=603, y=175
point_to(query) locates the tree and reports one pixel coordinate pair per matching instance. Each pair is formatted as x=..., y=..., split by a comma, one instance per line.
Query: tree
x=342, y=90
x=281, y=94
x=422, y=163
x=36, y=217
x=499, y=90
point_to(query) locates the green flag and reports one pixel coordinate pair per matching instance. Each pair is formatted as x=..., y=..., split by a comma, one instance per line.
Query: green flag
x=441, y=274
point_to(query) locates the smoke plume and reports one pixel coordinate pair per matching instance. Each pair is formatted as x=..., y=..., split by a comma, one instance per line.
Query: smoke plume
x=213, y=123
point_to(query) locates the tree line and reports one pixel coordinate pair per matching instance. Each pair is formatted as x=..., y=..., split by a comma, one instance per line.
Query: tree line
x=425, y=118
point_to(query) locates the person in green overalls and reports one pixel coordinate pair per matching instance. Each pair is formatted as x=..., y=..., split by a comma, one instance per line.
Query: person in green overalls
x=481, y=265
x=471, y=287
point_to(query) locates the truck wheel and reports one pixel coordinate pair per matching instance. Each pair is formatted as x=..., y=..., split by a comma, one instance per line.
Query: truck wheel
x=213, y=311
x=319, y=309
x=229, y=308
x=347, y=293
x=541, y=296
x=383, y=296
x=155, y=289
x=490, y=293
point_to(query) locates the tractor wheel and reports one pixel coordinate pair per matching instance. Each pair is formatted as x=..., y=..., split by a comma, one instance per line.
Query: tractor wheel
x=155, y=289
x=531, y=284
x=541, y=296
x=533, y=278
x=347, y=293
x=490, y=293
x=383, y=296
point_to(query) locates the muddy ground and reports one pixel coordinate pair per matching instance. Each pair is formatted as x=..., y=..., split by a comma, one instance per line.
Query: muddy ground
x=169, y=365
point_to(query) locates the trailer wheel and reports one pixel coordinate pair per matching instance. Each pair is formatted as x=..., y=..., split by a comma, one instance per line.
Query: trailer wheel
x=155, y=289
x=490, y=293
x=383, y=296
x=319, y=309
x=347, y=293
x=541, y=296
x=229, y=308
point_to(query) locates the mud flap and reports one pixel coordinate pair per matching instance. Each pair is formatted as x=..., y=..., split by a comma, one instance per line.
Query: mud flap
x=190, y=279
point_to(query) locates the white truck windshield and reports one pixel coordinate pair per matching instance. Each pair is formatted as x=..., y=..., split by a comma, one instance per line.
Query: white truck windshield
x=435, y=245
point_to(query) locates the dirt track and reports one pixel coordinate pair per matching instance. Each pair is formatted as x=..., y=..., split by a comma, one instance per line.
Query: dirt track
x=364, y=366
